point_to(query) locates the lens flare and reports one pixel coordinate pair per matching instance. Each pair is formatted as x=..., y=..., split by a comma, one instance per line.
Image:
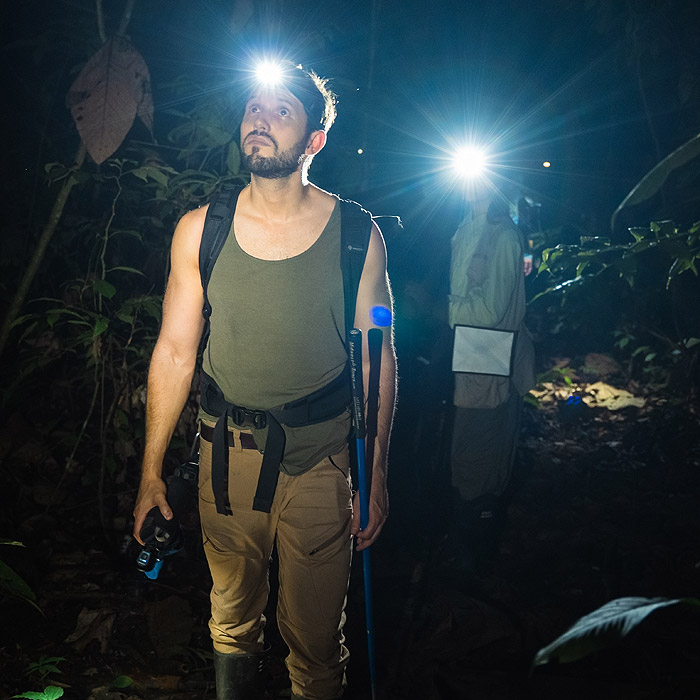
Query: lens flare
x=469, y=161
x=269, y=73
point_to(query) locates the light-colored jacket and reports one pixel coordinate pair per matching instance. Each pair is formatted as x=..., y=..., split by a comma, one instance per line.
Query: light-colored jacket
x=487, y=289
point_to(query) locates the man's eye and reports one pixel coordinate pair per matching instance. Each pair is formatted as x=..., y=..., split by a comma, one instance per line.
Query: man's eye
x=254, y=109
x=284, y=112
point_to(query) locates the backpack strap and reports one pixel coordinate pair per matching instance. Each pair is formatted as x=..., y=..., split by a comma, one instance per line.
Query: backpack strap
x=355, y=230
x=217, y=225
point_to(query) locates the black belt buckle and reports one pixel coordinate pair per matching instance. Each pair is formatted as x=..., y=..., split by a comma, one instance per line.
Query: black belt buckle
x=248, y=418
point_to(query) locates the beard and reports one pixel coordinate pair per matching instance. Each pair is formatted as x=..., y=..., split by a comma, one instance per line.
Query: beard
x=277, y=166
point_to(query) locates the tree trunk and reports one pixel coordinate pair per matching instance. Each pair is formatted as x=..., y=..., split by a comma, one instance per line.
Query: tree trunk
x=43, y=242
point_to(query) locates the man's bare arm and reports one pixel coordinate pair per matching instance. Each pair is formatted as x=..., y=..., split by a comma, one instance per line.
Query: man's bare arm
x=173, y=362
x=375, y=291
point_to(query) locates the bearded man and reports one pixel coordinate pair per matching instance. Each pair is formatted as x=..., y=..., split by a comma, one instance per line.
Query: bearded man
x=276, y=339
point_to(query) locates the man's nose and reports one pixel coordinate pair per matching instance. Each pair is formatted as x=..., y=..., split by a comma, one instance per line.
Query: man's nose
x=261, y=121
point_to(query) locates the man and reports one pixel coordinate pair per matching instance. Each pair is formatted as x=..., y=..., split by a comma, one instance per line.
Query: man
x=277, y=335
x=487, y=290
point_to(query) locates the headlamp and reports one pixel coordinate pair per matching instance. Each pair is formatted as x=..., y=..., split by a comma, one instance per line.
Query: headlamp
x=269, y=73
x=470, y=162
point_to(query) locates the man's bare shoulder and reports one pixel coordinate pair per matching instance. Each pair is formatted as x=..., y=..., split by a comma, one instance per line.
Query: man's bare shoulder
x=194, y=218
x=188, y=236
x=188, y=231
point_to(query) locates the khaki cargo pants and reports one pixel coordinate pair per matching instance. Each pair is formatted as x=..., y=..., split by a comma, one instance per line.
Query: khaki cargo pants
x=310, y=518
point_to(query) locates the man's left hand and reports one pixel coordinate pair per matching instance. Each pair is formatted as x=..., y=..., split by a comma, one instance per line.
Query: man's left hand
x=378, y=513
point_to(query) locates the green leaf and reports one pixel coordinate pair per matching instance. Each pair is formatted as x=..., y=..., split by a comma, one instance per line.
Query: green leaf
x=641, y=246
x=52, y=316
x=605, y=627
x=14, y=543
x=675, y=246
x=638, y=233
x=51, y=692
x=531, y=400
x=122, y=682
x=679, y=266
x=627, y=267
x=14, y=585
x=104, y=288
x=126, y=313
x=158, y=175
x=45, y=665
x=153, y=307
x=124, y=268
x=101, y=325
x=594, y=242
x=664, y=228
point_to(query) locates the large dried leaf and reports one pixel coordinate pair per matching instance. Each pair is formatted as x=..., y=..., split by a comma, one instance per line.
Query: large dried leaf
x=93, y=625
x=654, y=180
x=113, y=87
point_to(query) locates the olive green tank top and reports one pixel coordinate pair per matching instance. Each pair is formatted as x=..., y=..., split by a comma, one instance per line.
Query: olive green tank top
x=277, y=333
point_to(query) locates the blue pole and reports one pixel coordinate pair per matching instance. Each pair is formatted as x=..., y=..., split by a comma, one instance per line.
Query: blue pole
x=355, y=359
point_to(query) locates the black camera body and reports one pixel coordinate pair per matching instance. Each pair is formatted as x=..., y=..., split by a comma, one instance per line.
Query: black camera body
x=165, y=537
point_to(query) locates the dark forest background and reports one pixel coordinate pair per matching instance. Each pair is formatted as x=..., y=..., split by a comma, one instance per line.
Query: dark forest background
x=608, y=92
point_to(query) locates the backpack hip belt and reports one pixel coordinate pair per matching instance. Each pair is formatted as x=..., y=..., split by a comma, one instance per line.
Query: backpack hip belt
x=327, y=402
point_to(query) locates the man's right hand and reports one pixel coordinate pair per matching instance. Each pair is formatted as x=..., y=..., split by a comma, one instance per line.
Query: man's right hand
x=151, y=493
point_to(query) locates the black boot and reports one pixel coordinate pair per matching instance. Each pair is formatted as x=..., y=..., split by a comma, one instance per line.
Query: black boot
x=488, y=518
x=239, y=676
x=473, y=538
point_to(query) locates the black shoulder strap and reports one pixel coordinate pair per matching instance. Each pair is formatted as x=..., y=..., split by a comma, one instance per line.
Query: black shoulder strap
x=355, y=230
x=217, y=225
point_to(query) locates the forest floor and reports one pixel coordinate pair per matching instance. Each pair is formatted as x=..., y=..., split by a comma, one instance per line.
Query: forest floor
x=605, y=504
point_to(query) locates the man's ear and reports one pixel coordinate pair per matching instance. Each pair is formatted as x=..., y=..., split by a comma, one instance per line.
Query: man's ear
x=317, y=140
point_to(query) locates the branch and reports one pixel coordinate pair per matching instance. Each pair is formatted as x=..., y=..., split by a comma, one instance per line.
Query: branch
x=126, y=17
x=100, y=21
x=33, y=267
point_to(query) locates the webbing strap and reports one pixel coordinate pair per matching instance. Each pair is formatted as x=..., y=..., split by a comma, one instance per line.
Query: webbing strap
x=219, y=466
x=270, y=468
x=355, y=230
x=325, y=403
x=217, y=225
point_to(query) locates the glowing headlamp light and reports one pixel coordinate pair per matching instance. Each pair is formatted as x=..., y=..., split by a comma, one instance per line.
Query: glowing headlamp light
x=269, y=73
x=470, y=162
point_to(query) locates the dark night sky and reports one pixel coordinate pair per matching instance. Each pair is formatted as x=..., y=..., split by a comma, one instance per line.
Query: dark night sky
x=555, y=80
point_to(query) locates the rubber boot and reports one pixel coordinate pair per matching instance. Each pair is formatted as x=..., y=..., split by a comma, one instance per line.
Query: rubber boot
x=473, y=536
x=239, y=676
x=488, y=520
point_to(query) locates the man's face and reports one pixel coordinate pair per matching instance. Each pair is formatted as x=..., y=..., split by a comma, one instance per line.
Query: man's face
x=273, y=134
